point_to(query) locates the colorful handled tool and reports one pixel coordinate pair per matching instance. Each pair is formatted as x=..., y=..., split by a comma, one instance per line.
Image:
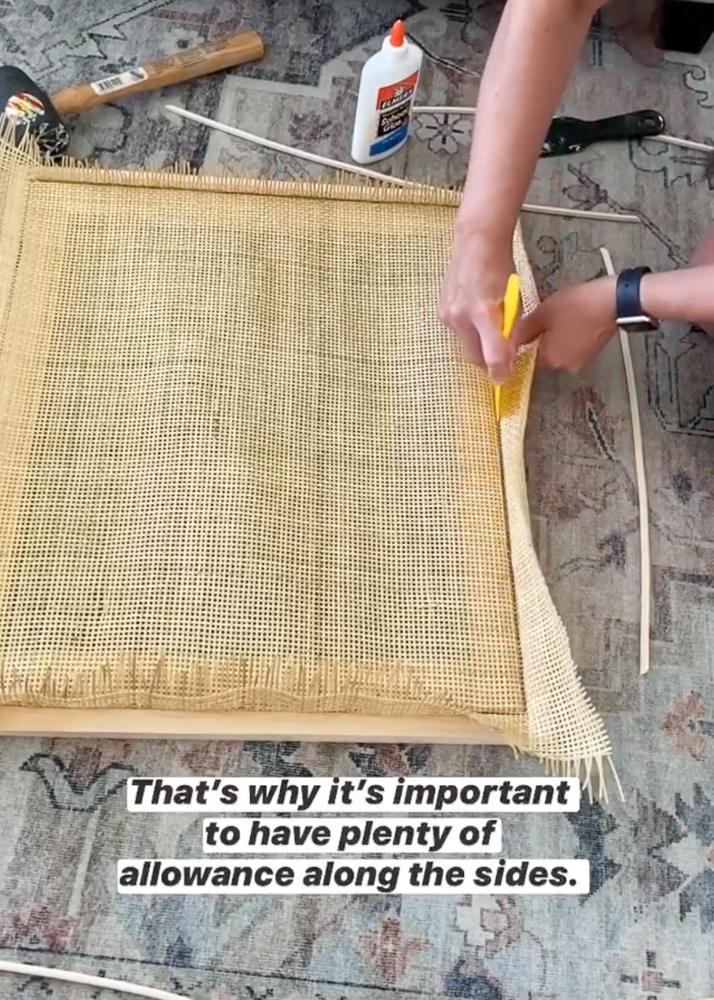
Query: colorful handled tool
x=511, y=304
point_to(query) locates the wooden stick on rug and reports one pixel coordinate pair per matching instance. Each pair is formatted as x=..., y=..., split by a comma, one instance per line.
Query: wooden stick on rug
x=258, y=140
x=642, y=494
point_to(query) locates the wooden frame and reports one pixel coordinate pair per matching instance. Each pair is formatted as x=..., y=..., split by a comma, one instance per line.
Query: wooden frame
x=311, y=728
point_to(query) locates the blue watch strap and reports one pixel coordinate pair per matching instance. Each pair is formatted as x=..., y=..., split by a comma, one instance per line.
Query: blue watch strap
x=628, y=304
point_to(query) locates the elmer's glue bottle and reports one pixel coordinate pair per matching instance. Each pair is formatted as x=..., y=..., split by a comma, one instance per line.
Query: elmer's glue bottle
x=386, y=94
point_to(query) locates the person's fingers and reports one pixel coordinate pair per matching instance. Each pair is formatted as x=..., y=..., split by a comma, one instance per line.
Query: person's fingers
x=529, y=328
x=472, y=347
x=498, y=353
x=469, y=339
x=545, y=358
x=456, y=316
x=555, y=355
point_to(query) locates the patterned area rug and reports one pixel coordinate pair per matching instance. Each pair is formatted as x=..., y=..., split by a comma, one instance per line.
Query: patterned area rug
x=647, y=928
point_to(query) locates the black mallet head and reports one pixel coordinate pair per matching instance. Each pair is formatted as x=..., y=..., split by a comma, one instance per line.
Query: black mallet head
x=29, y=109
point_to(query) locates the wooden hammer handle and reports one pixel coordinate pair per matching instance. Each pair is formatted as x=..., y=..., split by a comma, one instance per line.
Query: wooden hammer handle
x=208, y=58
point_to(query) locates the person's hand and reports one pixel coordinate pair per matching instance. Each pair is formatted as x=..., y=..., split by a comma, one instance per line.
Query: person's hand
x=472, y=302
x=574, y=325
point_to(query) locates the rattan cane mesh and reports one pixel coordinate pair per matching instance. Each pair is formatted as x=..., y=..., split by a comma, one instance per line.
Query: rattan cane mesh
x=243, y=466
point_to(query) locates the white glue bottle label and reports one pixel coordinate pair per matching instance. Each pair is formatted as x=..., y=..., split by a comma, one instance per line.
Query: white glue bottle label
x=386, y=94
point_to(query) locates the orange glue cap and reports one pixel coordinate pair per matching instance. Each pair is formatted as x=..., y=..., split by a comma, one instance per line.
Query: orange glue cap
x=397, y=35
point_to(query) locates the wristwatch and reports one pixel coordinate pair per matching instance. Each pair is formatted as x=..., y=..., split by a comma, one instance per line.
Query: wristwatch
x=631, y=317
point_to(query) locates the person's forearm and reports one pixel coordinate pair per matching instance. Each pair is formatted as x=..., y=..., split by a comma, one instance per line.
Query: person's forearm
x=532, y=57
x=684, y=295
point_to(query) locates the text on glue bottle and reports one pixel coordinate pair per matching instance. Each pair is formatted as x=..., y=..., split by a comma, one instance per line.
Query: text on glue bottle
x=386, y=93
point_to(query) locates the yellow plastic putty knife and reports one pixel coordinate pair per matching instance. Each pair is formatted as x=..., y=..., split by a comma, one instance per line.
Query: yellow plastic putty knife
x=511, y=304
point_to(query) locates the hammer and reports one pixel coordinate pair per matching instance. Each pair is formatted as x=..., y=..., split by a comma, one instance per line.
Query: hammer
x=30, y=110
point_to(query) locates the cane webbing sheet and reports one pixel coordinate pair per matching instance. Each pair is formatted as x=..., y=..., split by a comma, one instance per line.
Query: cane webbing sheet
x=243, y=466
